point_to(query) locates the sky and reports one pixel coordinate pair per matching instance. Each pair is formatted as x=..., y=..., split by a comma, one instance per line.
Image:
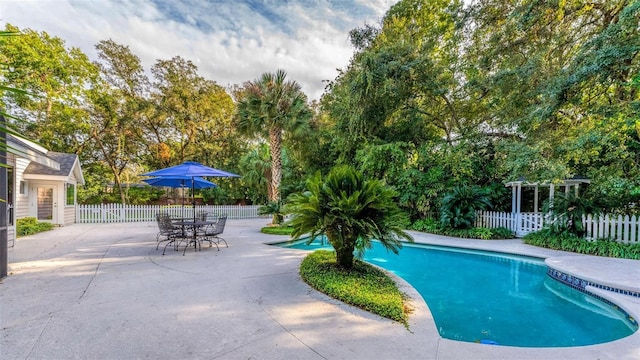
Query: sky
x=230, y=41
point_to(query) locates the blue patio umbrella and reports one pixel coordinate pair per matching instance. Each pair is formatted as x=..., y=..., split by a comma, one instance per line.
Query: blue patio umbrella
x=180, y=181
x=192, y=170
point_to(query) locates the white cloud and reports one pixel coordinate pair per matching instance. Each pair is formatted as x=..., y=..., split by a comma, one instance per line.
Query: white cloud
x=231, y=41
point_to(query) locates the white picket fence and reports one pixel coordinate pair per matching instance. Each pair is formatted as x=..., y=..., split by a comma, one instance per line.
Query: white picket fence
x=624, y=229
x=520, y=223
x=117, y=213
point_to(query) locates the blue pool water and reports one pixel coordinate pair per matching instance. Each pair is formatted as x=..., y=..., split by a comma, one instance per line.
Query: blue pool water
x=493, y=298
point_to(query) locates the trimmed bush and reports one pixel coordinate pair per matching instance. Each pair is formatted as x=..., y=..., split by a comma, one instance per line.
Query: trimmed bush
x=363, y=286
x=30, y=225
x=435, y=227
x=277, y=230
x=570, y=242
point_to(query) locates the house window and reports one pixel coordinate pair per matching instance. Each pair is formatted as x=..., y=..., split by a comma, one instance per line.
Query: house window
x=71, y=194
x=23, y=188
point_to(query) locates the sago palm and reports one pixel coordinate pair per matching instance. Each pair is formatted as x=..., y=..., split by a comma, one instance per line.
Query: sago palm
x=268, y=107
x=350, y=211
x=565, y=213
x=458, y=208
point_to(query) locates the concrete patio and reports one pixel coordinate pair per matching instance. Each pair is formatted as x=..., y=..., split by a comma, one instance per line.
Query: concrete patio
x=102, y=291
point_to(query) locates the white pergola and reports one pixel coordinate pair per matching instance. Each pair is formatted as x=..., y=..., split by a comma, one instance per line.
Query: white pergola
x=546, y=190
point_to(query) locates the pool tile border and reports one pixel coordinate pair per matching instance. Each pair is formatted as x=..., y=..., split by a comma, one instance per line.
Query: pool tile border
x=581, y=284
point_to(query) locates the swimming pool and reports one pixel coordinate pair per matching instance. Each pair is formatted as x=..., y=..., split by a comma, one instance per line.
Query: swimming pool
x=492, y=298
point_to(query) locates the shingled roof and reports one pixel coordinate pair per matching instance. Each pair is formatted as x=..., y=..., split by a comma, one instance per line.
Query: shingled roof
x=46, y=165
x=66, y=162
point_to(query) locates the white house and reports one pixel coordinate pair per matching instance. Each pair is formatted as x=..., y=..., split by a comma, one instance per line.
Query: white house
x=41, y=184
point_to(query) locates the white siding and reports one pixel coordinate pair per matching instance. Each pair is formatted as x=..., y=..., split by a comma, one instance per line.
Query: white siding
x=69, y=210
x=69, y=215
x=21, y=206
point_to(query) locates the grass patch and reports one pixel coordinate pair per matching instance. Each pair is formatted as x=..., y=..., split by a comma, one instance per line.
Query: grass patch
x=570, y=242
x=364, y=286
x=30, y=225
x=277, y=230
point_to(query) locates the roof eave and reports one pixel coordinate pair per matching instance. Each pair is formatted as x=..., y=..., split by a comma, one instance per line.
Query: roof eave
x=46, y=177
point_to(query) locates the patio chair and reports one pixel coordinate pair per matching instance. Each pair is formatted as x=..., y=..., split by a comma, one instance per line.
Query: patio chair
x=167, y=229
x=212, y=232
x=202, y=215
x=164, y=228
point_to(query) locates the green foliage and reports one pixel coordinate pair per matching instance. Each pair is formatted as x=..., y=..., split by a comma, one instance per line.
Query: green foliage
x=439, y=94
x=273, y=208
x=570, y=242
x=458, y=208
x=143, y=195
x=435, y=227
x=267, y=108
x=499, y=196
x=615, y=194
x=363, y=286
x=427, y=225
x=502, y=233
x=350, y=211
x=54, y=79
x=566, y=212
x=277, y=230
x=30, y=225
x=118, y=121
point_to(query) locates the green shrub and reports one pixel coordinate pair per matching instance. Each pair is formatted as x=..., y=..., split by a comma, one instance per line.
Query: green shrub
x=435, y=227
x=569, y=242
x=363, y=286
x=502, y=233
x=273, y=208
x=427, y=225
x=277, y=230
x=567, y=211
x=458, y=208
x=30, y=225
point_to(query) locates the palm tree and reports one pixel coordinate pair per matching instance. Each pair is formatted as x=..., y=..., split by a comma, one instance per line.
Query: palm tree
x=458, y=208
x=350, y=211
x=271, y=106
x=565, y=212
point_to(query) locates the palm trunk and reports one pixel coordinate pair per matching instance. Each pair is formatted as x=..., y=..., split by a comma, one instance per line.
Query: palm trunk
x=344, y=248
x=275, y=142
x=344, y=258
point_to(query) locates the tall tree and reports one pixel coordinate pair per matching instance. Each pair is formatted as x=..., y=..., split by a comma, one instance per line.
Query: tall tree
x=271, y=106
x=117, y=108
x=557, y=74
x=198, y=113
x=54, y=79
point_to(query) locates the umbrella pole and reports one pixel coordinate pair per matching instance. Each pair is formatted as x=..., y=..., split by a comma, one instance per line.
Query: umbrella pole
x=182, y=191
x=193, y=196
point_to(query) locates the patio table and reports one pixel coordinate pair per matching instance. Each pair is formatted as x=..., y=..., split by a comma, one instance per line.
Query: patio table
x=194, y=226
